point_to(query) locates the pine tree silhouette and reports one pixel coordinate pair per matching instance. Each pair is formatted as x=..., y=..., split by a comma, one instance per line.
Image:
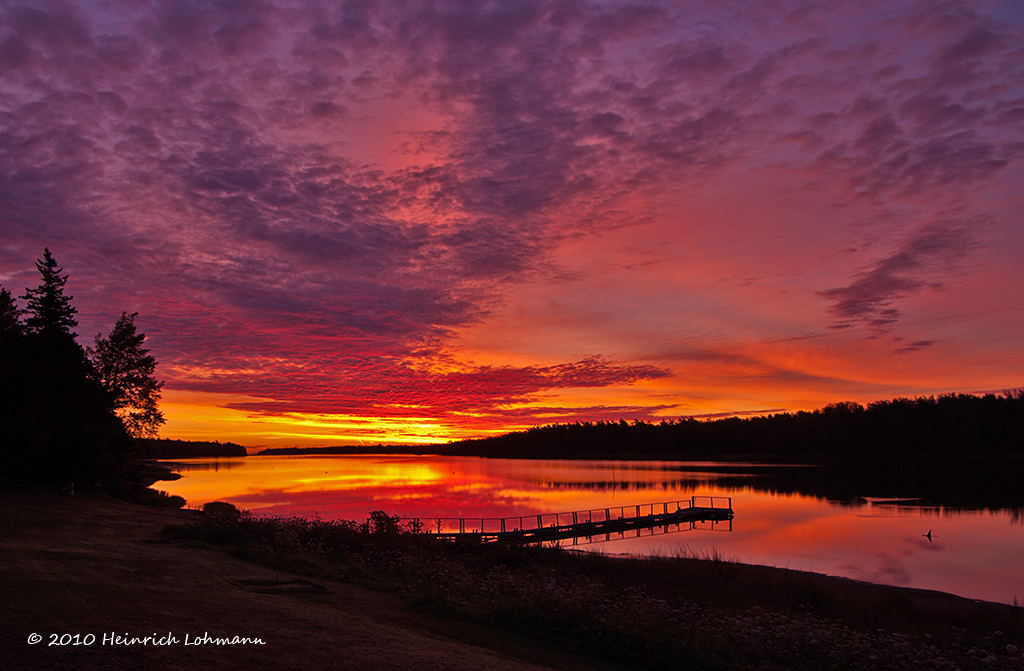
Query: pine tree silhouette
x=10, y=318
x=50, y=313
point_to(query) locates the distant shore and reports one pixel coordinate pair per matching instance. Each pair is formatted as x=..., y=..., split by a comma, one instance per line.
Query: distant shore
x=168, y=448
x=767, y=458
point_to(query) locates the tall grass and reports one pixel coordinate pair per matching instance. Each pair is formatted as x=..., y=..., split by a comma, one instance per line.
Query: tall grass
x=712, y=554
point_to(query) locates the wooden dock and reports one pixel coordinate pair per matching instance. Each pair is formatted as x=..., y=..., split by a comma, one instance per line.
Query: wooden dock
x=597, y=524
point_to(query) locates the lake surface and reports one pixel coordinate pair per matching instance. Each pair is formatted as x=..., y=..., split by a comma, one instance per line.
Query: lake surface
x=976, y=553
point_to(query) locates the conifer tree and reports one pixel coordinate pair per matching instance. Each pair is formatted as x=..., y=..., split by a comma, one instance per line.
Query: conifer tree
x=51, y=317
x=12, y=375
x=126, y=370
x=57, y=422
x=10, y=317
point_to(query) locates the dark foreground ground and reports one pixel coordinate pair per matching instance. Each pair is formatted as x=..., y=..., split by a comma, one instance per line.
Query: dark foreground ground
x=91, y=565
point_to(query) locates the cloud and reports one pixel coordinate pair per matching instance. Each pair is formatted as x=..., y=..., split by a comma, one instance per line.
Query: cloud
x=972, y=47
x=395, y=389
x=312, y=200
x=915, y=346
x=915, y=265
x=57, y=31
x=708, y=61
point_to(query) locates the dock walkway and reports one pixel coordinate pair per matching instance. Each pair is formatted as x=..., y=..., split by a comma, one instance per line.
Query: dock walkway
x=587, y=524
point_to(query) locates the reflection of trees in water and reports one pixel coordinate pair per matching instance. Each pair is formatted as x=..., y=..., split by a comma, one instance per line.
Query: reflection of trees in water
x=217, y=465
x=947, y=486
x=676, y=484
x=904, y=509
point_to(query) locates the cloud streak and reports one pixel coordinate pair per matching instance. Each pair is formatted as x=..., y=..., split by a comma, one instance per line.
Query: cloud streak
x=871, y=297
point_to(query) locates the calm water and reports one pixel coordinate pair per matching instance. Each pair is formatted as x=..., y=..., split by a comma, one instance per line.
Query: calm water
x=973, y=553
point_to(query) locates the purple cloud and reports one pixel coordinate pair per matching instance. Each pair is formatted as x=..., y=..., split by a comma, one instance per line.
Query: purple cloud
x=915, y=265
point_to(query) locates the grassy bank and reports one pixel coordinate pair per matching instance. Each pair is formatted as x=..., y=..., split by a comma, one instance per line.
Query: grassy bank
x=679, y=612
x=90, y=564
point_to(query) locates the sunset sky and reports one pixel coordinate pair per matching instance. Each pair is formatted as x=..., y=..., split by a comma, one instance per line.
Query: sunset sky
x=413, y=221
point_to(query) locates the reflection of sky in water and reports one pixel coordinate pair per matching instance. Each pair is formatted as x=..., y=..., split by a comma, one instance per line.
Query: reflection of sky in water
x=971, y=553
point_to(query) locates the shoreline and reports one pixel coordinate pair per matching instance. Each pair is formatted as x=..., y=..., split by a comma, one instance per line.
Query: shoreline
x=738, y=458
x=92, y=564
x=89, y=564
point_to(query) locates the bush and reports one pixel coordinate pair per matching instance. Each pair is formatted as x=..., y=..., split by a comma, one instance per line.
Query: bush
x=221, y=508
x=155, y=498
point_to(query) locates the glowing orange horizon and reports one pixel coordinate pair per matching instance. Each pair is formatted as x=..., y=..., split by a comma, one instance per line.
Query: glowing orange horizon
x=207, y=416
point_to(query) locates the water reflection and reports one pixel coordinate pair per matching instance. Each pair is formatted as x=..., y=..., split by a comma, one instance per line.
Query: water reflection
x=205, y=464
x=808, y=518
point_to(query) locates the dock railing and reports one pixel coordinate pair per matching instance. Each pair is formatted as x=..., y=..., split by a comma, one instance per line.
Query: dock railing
x=578, y=519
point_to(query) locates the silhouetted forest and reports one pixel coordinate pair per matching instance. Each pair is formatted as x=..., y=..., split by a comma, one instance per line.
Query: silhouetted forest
x=350, y=450
x=167, y=448
x=69, y=413
x=960, y=425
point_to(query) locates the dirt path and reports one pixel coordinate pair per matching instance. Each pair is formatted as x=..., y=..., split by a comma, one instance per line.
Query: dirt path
x=89, y=564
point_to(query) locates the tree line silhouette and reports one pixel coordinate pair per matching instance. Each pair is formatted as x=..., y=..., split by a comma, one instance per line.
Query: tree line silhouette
x=169, y=448
x=953, y=425
x=67, y=412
